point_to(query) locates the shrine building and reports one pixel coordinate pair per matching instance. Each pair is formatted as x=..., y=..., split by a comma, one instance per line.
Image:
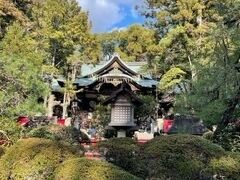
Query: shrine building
x=118, y=82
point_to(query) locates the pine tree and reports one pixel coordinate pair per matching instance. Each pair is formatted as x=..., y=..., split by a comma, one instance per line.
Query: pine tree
x=21, y=81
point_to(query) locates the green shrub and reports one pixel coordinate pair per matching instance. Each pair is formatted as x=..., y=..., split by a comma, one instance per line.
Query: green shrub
x=101, y=117
x=229, y=138
x=11, y=128
x=178, y=156
x=226, y=167
x=35, y=158
x=122, y=152
x=81, y=168
x=55, y=132
x=41, y=132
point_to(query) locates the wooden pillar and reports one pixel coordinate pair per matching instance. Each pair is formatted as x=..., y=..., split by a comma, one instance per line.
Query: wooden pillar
x=50, y=104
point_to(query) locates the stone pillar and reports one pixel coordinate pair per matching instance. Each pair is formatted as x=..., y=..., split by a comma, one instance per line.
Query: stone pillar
x=121, y=133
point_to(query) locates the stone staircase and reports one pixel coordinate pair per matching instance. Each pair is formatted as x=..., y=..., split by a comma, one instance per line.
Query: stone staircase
x=91, y=150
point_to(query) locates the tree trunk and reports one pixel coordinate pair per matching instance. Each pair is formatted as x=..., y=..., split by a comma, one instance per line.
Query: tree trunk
x=74, y=72
x=192, y=68
x=54, y=56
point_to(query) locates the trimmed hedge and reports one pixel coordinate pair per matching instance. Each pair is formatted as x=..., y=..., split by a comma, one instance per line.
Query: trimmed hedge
x=35, y=158
x=165, y=157
x=178, y=156
x=81, y=168
x=122, y=152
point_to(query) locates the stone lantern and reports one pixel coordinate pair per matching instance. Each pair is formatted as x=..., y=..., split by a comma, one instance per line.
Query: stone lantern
x=122, y=103
x=122, y=112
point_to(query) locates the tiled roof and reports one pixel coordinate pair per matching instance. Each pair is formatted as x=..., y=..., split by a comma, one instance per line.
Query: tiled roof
x=89, y=74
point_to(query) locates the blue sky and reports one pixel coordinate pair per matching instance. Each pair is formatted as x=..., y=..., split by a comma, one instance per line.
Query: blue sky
x=107, y=15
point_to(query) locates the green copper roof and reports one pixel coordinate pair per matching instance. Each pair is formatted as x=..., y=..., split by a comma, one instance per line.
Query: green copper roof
x=135, y=69
x=55, y=86
x=90, y=74
x=84, y=81
x=87, y=69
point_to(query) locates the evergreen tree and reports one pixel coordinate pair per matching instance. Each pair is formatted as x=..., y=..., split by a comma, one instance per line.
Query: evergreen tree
x=135, y=43
x=215, y=95
x=201, y=38
x=14, y=10
x=132, y=44
x=183, y=29
x=62, y=29
x=61, y=25
x=21, y=81
x=50, y=37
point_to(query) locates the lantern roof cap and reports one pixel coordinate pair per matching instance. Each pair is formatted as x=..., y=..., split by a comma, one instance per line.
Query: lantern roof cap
x=125, y=92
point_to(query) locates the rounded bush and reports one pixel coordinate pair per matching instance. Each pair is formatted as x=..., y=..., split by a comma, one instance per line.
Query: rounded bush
x=122, y=152
x=127, y=144
x=226, y=167
x=81, y=168
x=178, y=156
x=35, y=158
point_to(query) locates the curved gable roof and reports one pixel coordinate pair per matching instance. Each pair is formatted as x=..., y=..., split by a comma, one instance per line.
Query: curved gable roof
x=108, y=70
x=108, y=65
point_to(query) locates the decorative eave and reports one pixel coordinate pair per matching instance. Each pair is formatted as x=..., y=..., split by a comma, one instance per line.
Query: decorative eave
x=123, y=91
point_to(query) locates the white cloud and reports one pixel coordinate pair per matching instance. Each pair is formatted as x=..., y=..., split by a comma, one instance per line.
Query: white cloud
x=104, y=14
x=127, y=2
x=118, y=29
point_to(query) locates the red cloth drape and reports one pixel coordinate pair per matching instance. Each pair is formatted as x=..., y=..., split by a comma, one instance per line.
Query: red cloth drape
x=167, y=124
